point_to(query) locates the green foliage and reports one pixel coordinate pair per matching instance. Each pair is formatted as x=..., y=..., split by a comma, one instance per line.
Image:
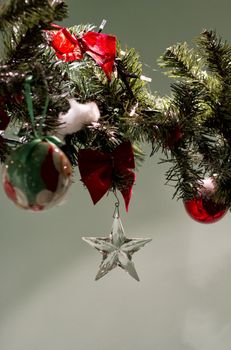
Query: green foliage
x=22, y=25
x=29, y=53
x=181, y=62
x=201, y=105
x=116, y=99
x=31, y=12
x=192, y=127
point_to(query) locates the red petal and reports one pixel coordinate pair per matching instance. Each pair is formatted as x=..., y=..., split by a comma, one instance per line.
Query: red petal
x=66, y=45
x=102, y=48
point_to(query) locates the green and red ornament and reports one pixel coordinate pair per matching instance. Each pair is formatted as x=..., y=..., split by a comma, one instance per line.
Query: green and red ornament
x=37, y=175
x=203, y=208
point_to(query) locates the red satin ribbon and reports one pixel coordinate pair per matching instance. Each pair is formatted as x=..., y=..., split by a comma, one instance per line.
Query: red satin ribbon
x=98, y=171
x=101, y=47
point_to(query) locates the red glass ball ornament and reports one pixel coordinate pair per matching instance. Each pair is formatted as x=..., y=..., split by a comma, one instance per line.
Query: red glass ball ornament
x=203, y=208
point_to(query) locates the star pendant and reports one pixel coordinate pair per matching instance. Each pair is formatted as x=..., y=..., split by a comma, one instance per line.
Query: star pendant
x=117, y=249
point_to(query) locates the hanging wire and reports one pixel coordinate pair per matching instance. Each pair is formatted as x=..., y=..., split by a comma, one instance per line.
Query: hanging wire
x=116, y=213
x=43, y=114
x=29, y=103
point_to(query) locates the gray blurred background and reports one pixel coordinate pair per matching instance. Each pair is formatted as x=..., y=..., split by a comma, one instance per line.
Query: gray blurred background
x=48, y=297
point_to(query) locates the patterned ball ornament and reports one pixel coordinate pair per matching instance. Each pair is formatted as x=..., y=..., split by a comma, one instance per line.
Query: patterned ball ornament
x=203, y=208
x=37, y=175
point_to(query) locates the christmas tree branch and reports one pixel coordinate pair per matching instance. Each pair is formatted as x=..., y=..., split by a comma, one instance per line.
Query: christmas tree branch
x=192, y=126
x=181, y=62
x=31, y=12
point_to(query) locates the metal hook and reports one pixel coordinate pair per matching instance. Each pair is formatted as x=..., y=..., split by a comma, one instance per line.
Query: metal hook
x=116, y=213
x=117, y=203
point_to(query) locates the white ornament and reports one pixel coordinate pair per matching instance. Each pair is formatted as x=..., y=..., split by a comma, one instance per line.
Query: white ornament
x=79, y=115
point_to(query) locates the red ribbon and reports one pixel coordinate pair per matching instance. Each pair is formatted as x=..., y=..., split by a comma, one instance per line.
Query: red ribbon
x=101, y=47
x=99, y=171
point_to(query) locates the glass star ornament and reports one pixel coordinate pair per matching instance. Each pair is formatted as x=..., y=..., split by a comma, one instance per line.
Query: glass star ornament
x=117, y=249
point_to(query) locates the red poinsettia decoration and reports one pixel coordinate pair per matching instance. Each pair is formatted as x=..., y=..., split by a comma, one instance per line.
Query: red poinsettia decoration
x=101, y=47
x=100, y=171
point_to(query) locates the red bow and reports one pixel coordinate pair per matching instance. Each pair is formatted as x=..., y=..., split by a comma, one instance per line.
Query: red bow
x=101, y=47
x=101, y=170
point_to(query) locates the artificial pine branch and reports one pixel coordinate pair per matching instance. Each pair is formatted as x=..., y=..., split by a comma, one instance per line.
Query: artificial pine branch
x=201, y=104
x=116, y=99
x=181, y=62
x=31, y=11
x=215, y=53
x=192, y=127
x=22, y=25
